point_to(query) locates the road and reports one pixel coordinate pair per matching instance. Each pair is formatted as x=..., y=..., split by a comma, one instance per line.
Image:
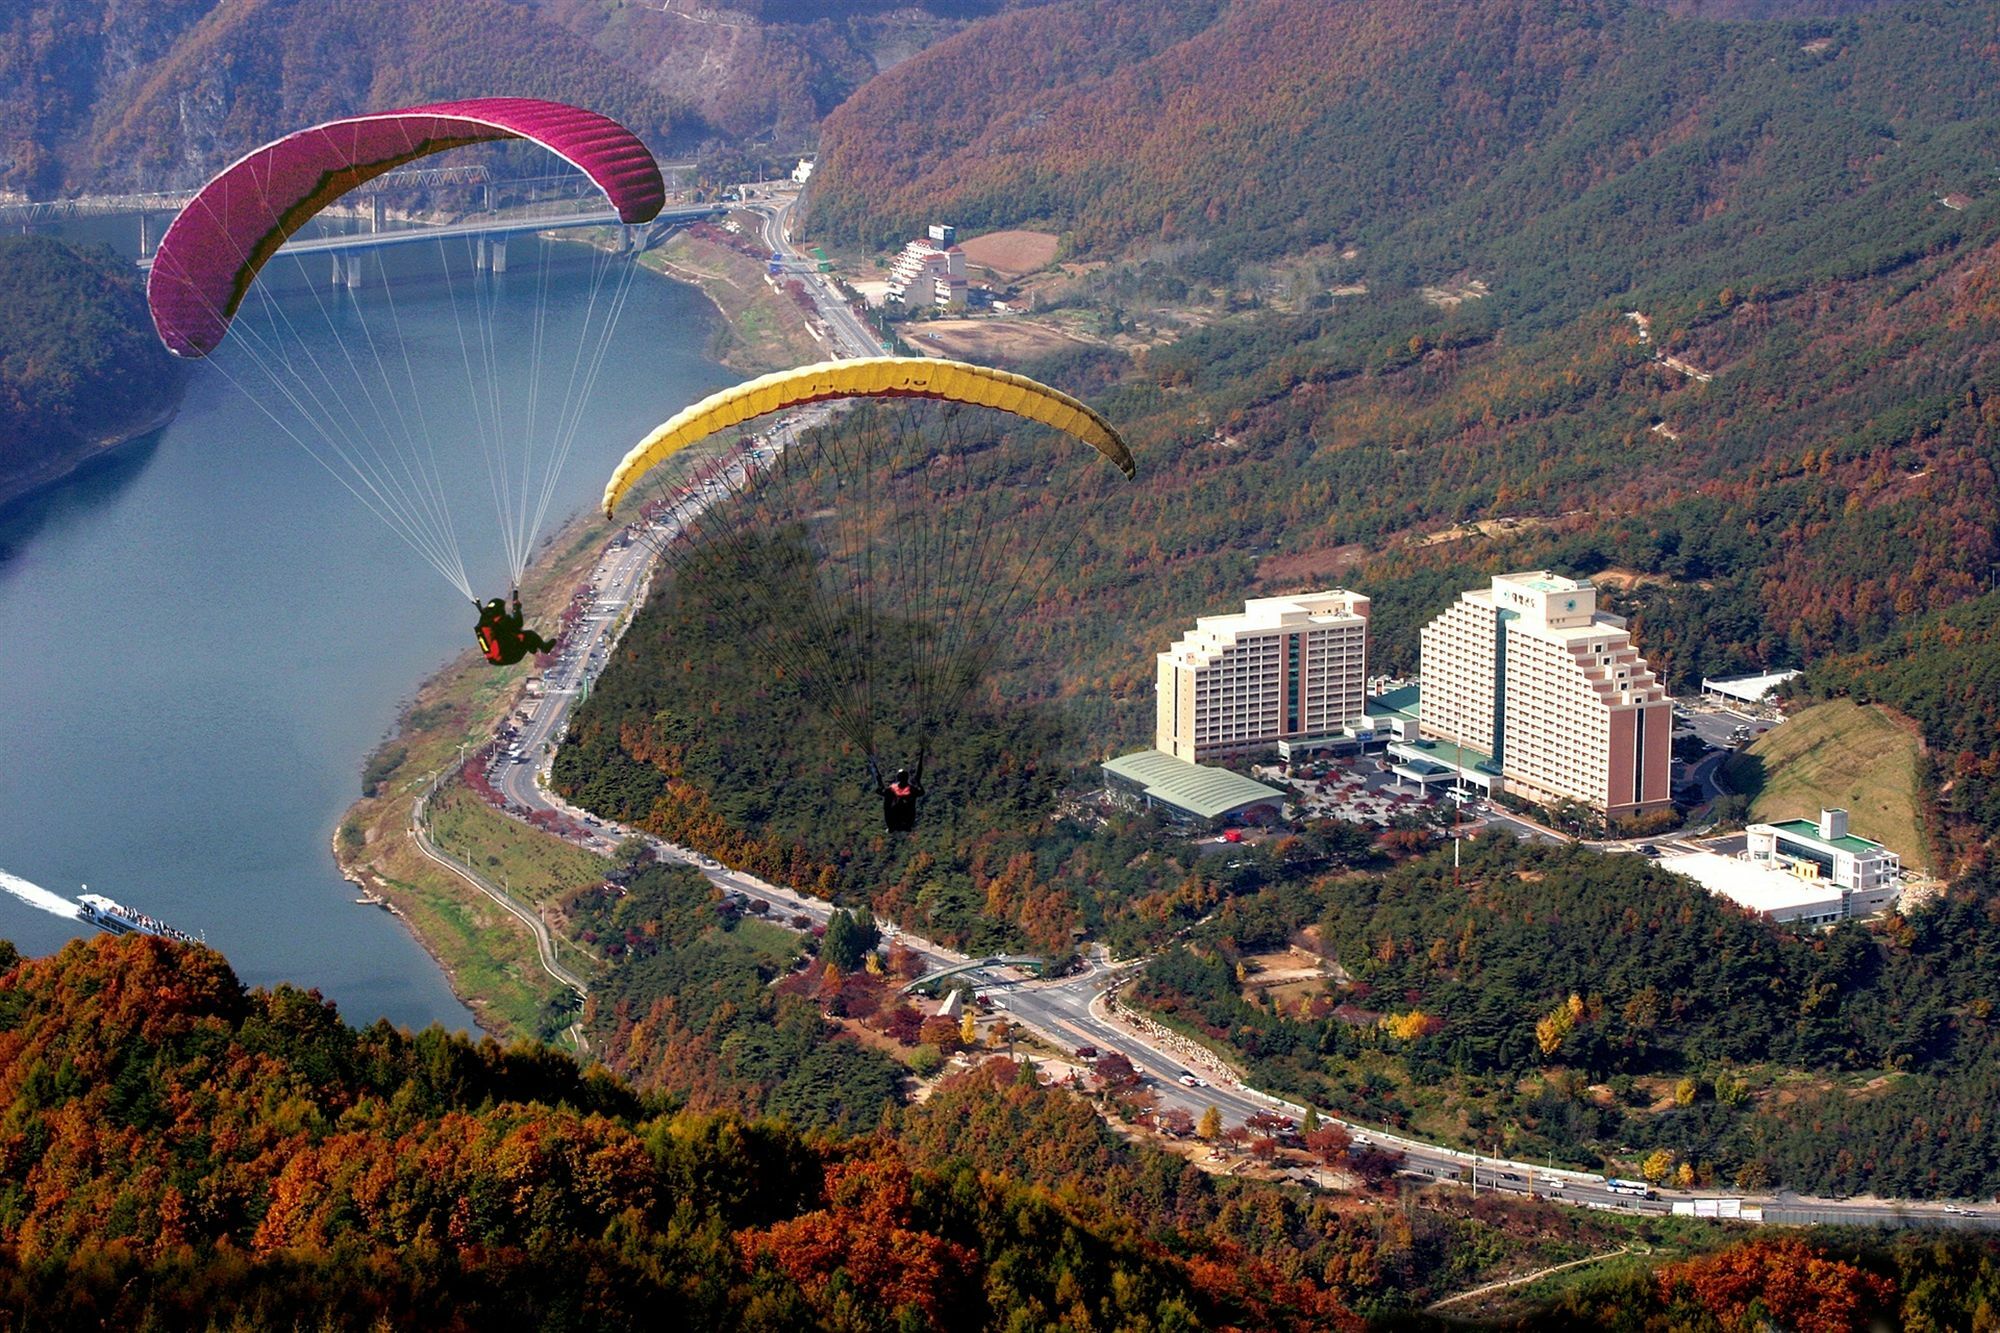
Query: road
x=1072, y=1011
x=850, y=333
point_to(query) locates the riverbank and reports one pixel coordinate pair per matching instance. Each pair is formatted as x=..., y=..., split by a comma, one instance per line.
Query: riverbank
x=762, y=330
x=489, y=957
x=21, y=486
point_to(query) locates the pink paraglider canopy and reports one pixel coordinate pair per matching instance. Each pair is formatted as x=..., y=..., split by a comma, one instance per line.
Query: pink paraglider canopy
x=214, y=249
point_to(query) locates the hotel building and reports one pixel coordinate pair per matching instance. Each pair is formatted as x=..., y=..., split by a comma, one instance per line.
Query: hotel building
x=1536, y=684
x=1286, y=667
x=929, y=271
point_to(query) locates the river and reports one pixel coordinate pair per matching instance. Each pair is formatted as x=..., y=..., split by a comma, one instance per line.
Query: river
x=204, y=634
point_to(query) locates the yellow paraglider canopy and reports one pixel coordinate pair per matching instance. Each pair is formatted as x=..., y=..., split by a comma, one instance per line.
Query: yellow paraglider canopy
x=867, y=377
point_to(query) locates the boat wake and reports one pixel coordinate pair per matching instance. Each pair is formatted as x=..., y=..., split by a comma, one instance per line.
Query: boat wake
x=36, y=896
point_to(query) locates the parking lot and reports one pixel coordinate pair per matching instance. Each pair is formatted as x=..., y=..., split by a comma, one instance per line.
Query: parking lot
x=1360, y=790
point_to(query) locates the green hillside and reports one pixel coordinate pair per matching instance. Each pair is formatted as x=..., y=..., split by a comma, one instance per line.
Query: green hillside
x=1710, y=302
x=1942, y=669
x=79, y=365
x=1839, y=755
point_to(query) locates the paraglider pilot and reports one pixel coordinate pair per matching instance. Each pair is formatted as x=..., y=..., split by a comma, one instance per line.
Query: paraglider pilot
x=899, y=795
x=503, y=635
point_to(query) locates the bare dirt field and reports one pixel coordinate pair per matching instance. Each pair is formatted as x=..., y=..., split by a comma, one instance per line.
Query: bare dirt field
x=1286, y=979
x=1009, y=254
x=1486, y=527
x=988, y=339
x=1293, y=569
x=1448, y=295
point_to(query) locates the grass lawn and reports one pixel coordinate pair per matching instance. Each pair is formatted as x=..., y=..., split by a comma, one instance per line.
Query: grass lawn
x=773, y=945
x=1839, y=755
x=488, y=956
x=761, y=329
x=532, y=865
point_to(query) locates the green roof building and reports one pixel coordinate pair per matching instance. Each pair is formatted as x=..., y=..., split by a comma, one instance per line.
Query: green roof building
x=1824, y=850
x=1189, y=791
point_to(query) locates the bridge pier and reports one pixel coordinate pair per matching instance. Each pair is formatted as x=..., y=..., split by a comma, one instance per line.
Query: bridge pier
x=499, y=254
x=482, y=258
x=338, y=276
x=145, y=236
x=353, y=273
x=375, y=213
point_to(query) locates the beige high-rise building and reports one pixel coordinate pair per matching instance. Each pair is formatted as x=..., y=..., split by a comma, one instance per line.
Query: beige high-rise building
x=1286, y=667
x=1530, y=673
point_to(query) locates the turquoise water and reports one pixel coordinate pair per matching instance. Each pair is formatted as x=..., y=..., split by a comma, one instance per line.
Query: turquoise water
x=202, y=636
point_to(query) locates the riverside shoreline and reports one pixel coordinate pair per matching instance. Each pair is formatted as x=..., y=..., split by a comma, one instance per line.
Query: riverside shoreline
x=16, y=489
x=489, y=958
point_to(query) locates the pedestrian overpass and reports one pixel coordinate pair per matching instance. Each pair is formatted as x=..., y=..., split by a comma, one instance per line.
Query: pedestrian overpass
x=976, y=964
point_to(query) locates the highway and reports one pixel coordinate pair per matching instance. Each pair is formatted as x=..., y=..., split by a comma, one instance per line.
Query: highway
x=850, y=333
x=1073, y=1011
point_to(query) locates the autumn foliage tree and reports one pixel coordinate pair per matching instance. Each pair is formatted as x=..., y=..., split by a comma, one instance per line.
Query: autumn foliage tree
x=1782, y=1282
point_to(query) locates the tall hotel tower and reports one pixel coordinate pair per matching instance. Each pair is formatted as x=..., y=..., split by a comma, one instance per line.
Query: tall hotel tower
x=1286, y=667
x=1532, y=674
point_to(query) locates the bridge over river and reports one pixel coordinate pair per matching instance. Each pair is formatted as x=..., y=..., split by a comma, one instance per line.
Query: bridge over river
x=491, y=231
x=552, y=202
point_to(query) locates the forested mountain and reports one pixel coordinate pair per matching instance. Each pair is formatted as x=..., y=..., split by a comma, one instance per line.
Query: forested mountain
x=149, y=94
x=79, y=366
x=752, y=68
x=178, y=1152
x=1562, y=153
x=60, y=60
x=1562, y=993
x=1708, y=305
x=153, y=94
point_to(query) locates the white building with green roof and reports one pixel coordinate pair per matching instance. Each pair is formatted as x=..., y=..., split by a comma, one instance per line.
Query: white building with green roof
x=1154, y=780
x=1825, y=850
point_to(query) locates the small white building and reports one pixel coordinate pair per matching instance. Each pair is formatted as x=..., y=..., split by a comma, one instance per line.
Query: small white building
x=1744, y=689
x=1825, y=851
x=803, y=171
x=1776, y=895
